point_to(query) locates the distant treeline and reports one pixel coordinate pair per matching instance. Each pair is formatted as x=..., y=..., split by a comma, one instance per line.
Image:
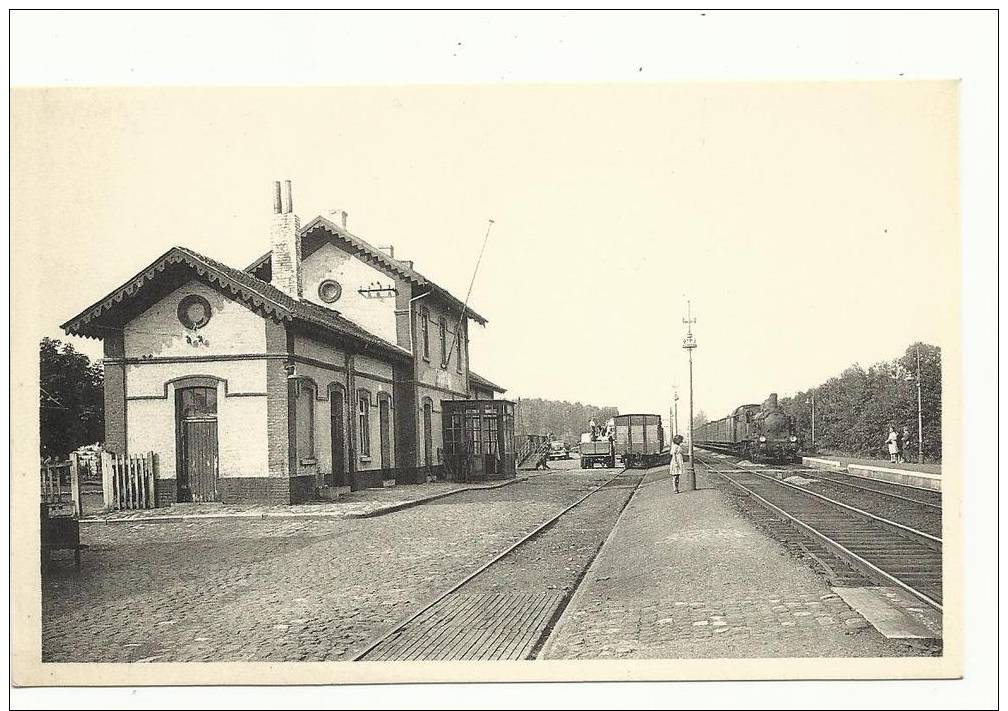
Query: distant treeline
x=855, y=409
x=564, y=420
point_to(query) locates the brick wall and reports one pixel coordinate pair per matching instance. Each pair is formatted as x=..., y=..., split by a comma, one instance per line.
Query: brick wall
x=286, y=260
x=165, y=492
x=277, y=431
x=115, y=396
x=269, y=490
x=404, y=397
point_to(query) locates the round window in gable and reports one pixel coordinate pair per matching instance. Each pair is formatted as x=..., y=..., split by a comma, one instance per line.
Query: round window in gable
x=194, y=311
x=330, y=291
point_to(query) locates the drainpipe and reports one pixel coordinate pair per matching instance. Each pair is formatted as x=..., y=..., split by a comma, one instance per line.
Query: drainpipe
x=409, y=308
x=416, y=410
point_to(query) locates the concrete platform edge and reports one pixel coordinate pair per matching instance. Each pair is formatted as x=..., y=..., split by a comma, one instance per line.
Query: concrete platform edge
x=167, y=518
x=434, y=497
x=919, y=480
x=580, y=591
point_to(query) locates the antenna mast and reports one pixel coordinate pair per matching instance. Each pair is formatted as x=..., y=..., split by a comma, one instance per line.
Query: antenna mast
x=445, y=357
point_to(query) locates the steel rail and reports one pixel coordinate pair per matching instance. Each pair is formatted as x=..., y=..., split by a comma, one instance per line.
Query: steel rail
x=539, y=529
x=927, y=539
x=879, y=491
x=840, y=550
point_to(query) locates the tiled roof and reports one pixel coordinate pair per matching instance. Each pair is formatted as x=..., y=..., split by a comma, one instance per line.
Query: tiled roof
x=259, y=294
x=480, y=380
x=375, y=255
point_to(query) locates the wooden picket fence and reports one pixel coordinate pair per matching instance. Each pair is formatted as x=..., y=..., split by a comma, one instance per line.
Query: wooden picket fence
x=128, y=482
x=60, y=482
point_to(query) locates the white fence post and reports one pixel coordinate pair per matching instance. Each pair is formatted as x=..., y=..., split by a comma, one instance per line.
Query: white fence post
x=75, y=483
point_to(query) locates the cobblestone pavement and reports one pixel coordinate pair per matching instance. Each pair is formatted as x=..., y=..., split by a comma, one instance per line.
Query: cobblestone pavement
x=685, y=576
x=279, y=589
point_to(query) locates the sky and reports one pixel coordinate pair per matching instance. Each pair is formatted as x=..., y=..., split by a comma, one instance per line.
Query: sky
x=810, y=225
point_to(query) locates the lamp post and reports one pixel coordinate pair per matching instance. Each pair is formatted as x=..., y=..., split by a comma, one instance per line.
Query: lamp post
x=920, y=410
x=811, y=401
x=689, y=344
x=675, y=419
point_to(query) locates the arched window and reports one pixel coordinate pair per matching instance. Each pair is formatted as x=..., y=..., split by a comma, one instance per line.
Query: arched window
x=364, y=422
x=305, y=420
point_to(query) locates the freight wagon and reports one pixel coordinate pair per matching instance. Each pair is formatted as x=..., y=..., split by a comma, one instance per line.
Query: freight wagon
x=639, y=440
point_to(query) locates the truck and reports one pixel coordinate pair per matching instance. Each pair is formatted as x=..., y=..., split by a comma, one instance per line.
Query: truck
x=597, y=451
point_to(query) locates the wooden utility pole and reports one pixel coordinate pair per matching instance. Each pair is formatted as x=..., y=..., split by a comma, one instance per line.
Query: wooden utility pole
x=690, y=344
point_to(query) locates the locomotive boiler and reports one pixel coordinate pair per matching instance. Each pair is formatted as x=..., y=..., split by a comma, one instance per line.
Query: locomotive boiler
x=756, y=432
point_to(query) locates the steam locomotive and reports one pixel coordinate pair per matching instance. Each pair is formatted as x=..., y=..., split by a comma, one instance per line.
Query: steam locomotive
x=756, y=432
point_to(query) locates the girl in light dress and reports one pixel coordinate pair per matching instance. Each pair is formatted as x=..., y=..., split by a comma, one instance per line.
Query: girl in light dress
x=676, y=462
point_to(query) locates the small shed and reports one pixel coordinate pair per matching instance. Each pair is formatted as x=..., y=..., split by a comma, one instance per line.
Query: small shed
x=478, y=439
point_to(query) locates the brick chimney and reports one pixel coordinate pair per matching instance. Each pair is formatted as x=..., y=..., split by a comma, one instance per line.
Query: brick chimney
x=285, y=242
x=339, y=217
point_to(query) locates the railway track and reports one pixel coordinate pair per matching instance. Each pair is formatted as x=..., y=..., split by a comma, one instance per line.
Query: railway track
x=493, y=613
x=884, y=551
x=921, y=497
x=919, y=510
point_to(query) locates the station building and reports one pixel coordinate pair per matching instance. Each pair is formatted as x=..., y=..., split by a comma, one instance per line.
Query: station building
x=324, y=364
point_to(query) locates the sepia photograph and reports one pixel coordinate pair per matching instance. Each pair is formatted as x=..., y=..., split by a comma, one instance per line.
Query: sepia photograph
x=370, y=382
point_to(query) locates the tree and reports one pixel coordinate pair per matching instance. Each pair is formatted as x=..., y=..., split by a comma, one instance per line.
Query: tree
x=699, y=419
x=564, y=420
x=855, y=409
x=71, y=399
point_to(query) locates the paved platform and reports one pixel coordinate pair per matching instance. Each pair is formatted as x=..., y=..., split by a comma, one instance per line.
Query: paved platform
x=919, y=476
x=926, y=468
x=686, y=576
x=357, y=504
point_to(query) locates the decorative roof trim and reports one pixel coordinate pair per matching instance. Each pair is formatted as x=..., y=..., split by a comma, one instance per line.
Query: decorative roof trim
x=375, y=256
x=263, y=297
x=176, y=255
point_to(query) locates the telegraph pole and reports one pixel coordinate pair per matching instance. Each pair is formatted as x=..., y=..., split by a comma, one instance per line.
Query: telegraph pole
x=675, y=418
x=920, y=410
x=811, y=401
x=689, y=344
x=920, y=414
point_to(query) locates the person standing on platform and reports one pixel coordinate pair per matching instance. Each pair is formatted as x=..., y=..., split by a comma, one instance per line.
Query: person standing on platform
x=892, y=442
x=676, y=461
x=907, y=448
x=900, y=444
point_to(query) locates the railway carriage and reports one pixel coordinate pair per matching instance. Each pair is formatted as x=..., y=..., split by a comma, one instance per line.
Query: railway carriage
x=757, y=432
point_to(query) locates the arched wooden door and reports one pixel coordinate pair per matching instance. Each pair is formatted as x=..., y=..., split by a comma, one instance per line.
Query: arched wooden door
x=337, y=420
x=196, y=443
